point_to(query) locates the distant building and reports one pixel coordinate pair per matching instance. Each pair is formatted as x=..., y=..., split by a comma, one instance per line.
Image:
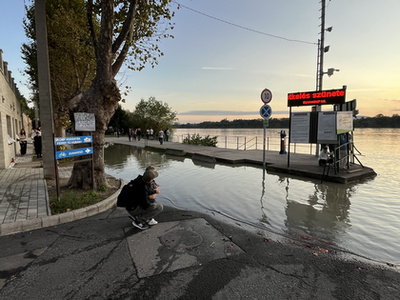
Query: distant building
x=12, y=119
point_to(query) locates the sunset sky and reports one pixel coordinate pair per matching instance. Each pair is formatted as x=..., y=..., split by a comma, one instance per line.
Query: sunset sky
x=225, y=52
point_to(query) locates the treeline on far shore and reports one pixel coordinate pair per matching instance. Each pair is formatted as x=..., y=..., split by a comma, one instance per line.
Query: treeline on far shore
x=379, y=121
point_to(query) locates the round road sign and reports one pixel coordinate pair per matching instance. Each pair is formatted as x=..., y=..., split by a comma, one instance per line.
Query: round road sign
x=265, y=111
x=266, y=96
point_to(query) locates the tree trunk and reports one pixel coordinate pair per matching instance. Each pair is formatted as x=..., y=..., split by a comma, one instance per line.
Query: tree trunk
x=103, y=110
x=101, y=99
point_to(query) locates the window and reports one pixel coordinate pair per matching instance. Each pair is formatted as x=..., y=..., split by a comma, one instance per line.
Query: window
x=9, y=128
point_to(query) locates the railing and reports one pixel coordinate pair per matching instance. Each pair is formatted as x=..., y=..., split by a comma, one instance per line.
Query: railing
x=253, y=143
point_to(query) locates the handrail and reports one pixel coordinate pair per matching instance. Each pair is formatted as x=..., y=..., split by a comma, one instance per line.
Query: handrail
x=350, y=147
x=246, y=142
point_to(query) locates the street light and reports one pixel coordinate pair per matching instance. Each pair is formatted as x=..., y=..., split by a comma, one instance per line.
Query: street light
x=330, y=71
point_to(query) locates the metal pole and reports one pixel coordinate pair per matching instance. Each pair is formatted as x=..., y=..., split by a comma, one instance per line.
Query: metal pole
x=46, y=107
x=321, y=45
x=290, y=134
x=265, y=134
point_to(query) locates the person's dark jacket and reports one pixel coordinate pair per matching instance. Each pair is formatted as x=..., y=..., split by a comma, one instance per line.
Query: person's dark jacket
x=139, y=195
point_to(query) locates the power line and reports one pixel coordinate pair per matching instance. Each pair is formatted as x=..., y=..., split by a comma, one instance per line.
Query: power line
x=243, y=27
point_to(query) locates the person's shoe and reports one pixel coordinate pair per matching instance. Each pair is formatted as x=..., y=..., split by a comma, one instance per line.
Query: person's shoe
x=139, y=225
x=152, y=222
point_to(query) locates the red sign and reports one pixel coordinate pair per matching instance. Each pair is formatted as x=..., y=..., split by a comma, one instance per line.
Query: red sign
x=266, y=96
x=317, y=98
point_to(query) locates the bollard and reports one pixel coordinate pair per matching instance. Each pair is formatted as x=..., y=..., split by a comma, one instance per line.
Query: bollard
x=283, y=138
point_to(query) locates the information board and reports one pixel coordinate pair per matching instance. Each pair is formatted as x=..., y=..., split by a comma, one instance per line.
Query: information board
x=84, y=121
x=73, y=152
x=71, y=140
x=344, y=121
x=327, y=127
x=300, y=127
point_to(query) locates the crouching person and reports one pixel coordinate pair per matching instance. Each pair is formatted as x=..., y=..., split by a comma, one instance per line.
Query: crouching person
x=140, y=205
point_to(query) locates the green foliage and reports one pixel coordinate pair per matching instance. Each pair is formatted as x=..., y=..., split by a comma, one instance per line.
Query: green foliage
x=240, y=123
x=379, y=121
x=120, y=120
x=196, y=139
x=151, y=113
x=71, y=56
x=102, y=188
x=71, y=200
x=30, y=112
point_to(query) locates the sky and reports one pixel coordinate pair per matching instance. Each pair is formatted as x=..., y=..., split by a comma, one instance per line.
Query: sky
x=226, y=52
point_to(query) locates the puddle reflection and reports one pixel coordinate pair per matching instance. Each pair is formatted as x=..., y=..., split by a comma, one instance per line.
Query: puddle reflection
x=284, y=205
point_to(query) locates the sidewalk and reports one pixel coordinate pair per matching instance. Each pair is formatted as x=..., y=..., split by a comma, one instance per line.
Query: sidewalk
x=24, y=200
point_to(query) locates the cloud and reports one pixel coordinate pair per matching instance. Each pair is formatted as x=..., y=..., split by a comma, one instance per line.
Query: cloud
x=217, y=68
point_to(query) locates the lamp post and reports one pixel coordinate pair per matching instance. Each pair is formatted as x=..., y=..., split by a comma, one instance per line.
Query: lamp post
x=321, y=48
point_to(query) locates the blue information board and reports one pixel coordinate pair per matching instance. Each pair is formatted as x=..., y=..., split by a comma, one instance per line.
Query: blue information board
x=70, y=140
x=74, y=152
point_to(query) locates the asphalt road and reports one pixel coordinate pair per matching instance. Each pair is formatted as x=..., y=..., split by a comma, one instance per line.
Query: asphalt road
x=186, y=256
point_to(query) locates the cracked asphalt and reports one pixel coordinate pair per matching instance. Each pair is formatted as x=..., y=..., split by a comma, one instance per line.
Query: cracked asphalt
x=188, y=255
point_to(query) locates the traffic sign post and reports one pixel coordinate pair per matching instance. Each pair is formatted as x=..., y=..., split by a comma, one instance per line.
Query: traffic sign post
x=265, y=113
x=266, y=96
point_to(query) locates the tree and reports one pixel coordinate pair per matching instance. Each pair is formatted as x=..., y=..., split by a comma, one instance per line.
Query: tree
x=120, y=120
x=71, y=57
x=120, y=31
x=153, y=113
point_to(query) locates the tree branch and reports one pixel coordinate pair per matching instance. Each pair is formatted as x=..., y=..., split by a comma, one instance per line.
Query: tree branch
x=125, y=35
x=127, y=27
x=89, y=14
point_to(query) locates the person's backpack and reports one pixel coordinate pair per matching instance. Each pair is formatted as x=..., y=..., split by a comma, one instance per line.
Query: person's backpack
x=125, y=197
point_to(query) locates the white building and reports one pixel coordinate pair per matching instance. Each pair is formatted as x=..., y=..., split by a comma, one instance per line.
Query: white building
x=12, y=119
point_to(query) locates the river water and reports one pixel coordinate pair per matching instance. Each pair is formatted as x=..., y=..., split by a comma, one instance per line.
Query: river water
x=362, y=218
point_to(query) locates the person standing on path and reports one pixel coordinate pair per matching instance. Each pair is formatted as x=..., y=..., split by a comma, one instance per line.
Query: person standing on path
x=166, y=134
x=161, y=136
x=138, y=134
x=37, y=142
x=22, y=141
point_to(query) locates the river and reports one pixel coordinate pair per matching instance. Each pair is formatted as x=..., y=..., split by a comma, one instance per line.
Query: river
x=362, y=218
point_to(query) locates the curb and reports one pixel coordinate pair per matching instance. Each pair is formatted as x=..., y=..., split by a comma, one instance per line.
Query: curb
x=53, y=220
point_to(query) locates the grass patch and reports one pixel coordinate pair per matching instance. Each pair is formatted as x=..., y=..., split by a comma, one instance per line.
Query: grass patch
x=71, y=200
x=74, y=198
